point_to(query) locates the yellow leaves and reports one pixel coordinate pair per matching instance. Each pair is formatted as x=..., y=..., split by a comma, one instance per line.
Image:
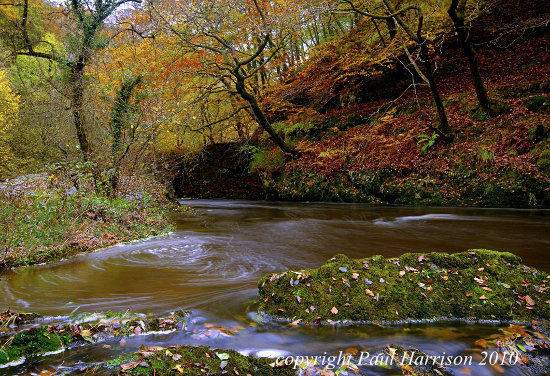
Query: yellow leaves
x=178, y=368
x=9, y=103
x=9, y=110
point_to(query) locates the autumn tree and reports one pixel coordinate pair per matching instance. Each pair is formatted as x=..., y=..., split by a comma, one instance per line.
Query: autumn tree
x=81, y=44
x=236, y=40
x=119, y=126
x=416, y=34
x=457, y=12
x=9, y=106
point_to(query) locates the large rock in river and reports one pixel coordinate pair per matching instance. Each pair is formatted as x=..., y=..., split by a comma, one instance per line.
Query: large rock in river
x=477, y=284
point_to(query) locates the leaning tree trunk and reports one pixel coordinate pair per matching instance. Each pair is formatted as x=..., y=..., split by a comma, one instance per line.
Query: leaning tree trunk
x=260, y=116
x=445, y=129
x=456, y=12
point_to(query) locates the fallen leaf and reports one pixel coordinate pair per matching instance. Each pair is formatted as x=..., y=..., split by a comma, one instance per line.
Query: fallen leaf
x=352, y=351
x=355, y=276
x=334, y=311
x=482, y=297
x=223, y=356
x=529, y=301
x=131, y=365
x=369, y=292
x=481, y=343
x=401, y=273
x=421, y=258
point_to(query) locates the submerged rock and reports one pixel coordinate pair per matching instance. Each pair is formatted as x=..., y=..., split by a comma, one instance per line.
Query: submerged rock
x=9, y=319
x=414, y=362
x=86, y=328
x=520, y=346
x=474, y=285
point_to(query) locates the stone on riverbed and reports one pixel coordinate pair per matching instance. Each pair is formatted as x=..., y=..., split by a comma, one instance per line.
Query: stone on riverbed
x=477, y=284
x=85, y=329
x=194, y=360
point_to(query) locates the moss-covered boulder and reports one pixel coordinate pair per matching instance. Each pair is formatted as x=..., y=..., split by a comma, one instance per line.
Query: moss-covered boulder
x=18, y=346
x=30, y=343
x=478, y=284
x=194, y=360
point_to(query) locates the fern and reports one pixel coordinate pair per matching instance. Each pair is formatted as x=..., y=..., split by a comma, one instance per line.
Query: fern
x=427, y=140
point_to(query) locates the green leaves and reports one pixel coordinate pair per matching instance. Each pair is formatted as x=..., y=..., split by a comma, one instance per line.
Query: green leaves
x=427, y=140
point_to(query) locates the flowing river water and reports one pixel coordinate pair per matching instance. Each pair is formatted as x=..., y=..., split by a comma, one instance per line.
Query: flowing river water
x=212, y=263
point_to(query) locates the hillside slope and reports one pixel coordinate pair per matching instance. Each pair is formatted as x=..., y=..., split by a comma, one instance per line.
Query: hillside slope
x=363, y=145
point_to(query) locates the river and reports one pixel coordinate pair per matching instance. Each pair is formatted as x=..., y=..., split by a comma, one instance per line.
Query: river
x=210, y=265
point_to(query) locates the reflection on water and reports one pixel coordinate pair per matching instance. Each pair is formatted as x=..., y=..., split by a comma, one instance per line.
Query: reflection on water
x=220, y=250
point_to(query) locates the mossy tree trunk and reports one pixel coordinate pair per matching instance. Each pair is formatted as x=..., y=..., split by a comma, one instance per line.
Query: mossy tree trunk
x=119, y=124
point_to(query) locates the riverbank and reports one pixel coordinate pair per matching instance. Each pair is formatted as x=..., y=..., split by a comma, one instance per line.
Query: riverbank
x=372, y=137
x=45, y=220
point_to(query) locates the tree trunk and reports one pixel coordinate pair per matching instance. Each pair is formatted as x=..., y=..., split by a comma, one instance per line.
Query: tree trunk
x=261, y=118
x=443, y=121
x=77, y=99
x=118, y=125
x=456, y=12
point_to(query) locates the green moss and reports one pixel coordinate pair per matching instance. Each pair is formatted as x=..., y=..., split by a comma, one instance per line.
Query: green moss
x=88, y=328
x=48, y=225
x=194, y=360
x=31, y=342
x=267, y=161
x=523, y=89
x=481, y=284
x=536, y=103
